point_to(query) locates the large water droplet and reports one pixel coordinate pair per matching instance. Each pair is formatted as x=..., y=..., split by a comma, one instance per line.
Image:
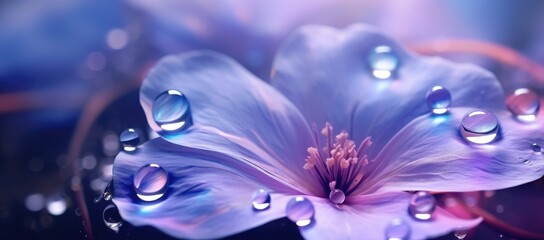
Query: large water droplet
x=300, y=210
x=397, y=229
x=479, y=126
x=171, y=111
x=438, y=99
x=536, y=148
x=337, y=196
x=150, y=182
x=383, y=62
x=261, y=199
x=112, y=218
x=524, y=104
x=422, y=205
x=130, y=139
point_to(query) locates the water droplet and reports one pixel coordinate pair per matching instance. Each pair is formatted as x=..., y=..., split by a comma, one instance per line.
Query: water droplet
x=261, y=199
x=536, y=148
x=300, y=210
x=107, y=194
x=150, y=182
x=422, y=205
x=130, y=139
x=56, y=205
x=438, y=99
x=460, y=234
x=527, y=161
x=397, y=229
x=171, y=111
x=499, y=208
x=35, y=202
x=383, y=62
x=479, y=126
x=112, y=218
x=524, y=104
x=337, y=196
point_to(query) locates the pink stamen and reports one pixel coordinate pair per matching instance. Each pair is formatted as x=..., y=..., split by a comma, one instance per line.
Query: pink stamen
x=341, y=168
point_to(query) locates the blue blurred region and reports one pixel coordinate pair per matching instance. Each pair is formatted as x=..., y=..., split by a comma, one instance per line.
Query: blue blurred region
x=42, y=42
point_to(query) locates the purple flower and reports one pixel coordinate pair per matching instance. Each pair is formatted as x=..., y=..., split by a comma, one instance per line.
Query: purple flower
x=380, y=141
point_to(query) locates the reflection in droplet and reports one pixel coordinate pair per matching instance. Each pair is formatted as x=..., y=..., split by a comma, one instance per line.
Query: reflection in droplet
x=479, y=126
x=112, y=218
x=150, y=182
x=56, y=205
x=536, y=148
x=397, y=229
x=524, y=104
x=171, y=111
x=35, y=202
x=107, y=195
x=337, y=196
x=460, y=234
x=260, y=199
x=438, y=99
x=422, y=205
x=383, y=62
x=300, y=210
x=130, y=139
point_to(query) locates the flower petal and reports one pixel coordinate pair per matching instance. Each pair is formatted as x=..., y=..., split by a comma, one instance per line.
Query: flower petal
x=234, y=113
x=366, y=217
x=430, y=154
x=325, y=73
x=208, y=195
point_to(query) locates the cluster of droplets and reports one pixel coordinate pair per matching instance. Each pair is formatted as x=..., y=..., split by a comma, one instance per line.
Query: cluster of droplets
x=171, y=113
x=300, y=210
x=477, y=126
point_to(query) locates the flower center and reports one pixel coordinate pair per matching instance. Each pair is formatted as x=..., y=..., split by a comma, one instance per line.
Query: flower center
x=338, y=166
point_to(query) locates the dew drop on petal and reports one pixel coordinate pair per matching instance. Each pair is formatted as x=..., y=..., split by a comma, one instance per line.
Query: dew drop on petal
x=479, y=126
x=383, y=62
x=524, y=104
x=300, y=210
x=150, y=182
x=107, y=194
x=171, y=111
x=130, y=139
x=261, y=199
x=536, y=148
x=112, y=218
x=438, y=99
x=422, y=205
x=337, y=196
x=397, y=229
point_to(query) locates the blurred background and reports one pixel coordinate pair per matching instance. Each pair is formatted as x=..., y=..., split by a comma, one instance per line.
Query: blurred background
x=70, y=71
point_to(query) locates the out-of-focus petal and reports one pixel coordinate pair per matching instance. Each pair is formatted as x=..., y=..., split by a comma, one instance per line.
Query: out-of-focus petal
x=209, y=195
x=366, y=217
x=234, y=113
x=326, y=74
x=430, y=154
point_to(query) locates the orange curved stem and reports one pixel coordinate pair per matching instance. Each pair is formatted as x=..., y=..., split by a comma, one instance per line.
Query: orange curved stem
x=499, y=224
x=502, y=54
